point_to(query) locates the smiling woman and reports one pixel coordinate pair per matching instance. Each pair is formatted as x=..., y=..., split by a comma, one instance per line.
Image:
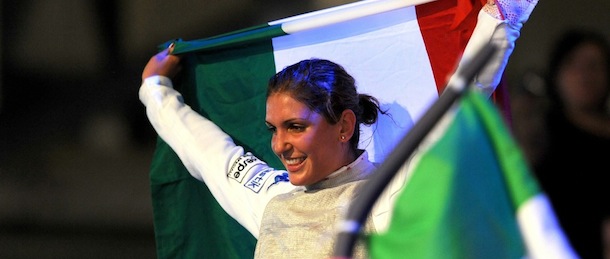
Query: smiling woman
x=314, y=113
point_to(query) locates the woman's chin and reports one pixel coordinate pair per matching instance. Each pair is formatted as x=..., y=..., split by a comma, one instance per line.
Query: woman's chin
x=298, y=179
x=295, y=180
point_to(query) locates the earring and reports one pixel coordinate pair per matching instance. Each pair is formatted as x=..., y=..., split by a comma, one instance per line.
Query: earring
x=342, y=137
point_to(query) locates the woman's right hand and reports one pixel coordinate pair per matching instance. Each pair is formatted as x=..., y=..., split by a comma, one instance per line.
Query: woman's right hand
x=162, y=64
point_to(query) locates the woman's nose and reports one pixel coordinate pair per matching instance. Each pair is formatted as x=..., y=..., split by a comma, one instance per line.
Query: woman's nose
x=279, y=144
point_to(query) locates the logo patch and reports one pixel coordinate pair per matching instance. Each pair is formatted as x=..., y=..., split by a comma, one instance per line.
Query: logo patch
x=242, y=166
x=258, y=181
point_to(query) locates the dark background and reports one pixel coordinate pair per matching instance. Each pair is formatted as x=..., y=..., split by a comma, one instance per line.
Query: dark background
x=75, y=144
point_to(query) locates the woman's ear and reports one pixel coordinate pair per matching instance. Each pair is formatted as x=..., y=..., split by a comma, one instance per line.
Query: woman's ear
x=348, y=124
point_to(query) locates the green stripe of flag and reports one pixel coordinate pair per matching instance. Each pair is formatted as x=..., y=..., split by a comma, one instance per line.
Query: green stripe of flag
x=240, y=38
x=225, y=83
x=463, y=195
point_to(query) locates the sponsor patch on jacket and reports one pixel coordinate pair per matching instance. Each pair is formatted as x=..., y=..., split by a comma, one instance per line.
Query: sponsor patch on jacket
x=257, y=182
x=242, y=166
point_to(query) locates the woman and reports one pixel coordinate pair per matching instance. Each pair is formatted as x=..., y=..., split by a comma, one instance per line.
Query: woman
x=573, y=166
x=314, y=113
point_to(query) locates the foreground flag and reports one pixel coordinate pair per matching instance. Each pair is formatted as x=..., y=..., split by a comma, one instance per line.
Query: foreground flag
x=471, y=195
x=400, y=51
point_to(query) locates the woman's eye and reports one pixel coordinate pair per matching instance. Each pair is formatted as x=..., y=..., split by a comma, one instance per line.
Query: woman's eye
x=271, y=129
x=296, y=128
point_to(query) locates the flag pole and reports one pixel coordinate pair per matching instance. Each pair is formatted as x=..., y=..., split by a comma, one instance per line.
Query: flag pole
x=349, y=228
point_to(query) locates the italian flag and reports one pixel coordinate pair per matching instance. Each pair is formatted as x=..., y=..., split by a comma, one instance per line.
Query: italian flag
x=400, y=51
x=471, y=195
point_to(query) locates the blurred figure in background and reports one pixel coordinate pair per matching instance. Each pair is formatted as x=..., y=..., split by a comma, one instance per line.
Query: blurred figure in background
x=568, y=144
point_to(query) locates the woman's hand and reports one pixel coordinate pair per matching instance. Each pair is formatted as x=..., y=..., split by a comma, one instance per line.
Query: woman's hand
x=162, y=64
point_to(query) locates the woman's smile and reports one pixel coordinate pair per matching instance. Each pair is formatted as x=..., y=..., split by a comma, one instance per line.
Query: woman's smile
x=294, y=164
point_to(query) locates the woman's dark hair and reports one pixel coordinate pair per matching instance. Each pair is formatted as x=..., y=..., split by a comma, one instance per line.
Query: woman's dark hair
x=564, y=47
x=326, y=88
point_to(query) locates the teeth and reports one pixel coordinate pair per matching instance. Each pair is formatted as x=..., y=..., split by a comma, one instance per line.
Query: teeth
x=294, y=161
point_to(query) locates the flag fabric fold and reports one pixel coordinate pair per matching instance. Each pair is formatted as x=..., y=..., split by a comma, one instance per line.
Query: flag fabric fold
x=400, y=51
x=471, y=195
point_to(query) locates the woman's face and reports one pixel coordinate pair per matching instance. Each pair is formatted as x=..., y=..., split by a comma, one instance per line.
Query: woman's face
x=309, y=147
x=582, y=79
